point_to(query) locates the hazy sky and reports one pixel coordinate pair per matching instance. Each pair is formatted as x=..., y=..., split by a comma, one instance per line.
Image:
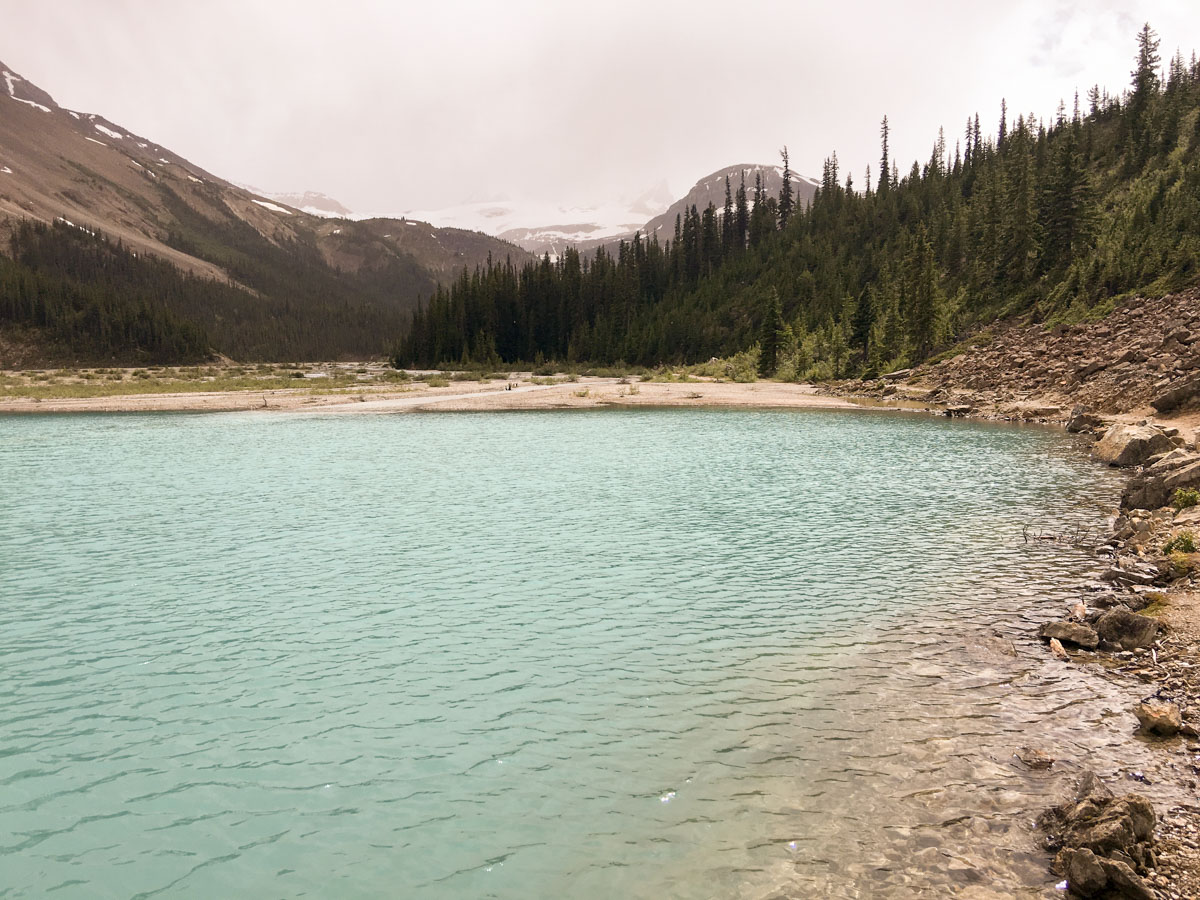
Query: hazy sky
x=389, y=106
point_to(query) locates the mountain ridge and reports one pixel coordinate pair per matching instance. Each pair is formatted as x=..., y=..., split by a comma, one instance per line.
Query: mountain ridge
x=82, y=169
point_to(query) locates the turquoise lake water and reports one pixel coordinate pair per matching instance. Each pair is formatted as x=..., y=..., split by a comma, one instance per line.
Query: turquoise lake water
x=653, y=653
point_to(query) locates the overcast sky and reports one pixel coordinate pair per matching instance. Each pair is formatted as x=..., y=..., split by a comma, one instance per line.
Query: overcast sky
x=389, y=106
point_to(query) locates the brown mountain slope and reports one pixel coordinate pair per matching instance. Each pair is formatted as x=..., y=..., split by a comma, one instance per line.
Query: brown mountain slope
x=61, y=164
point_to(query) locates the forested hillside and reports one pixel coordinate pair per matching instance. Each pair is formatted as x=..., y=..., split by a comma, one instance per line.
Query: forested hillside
x=1051, y=220
x=86, y=298
x=258, y=280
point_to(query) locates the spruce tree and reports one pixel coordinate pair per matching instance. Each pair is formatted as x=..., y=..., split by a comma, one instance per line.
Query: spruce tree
x=727, y=222
x=741, y=217
x=885, y=171
x=785, y=192
x=770, y=336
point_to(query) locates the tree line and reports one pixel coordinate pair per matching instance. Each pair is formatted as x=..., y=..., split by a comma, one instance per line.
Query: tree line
x=1049, y=219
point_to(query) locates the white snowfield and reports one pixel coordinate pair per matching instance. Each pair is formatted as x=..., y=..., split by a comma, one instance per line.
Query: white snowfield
x=115, y=135
x=274, y=207
x=497, y=218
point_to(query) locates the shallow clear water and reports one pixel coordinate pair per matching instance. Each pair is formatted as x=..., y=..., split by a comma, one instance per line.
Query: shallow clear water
x=641, y=653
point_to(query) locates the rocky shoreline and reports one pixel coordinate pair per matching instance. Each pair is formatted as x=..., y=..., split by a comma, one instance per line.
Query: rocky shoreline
x=1132, y=383
x=1108, y=846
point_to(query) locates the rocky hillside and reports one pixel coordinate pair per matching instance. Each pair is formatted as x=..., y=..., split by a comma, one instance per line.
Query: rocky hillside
x=1144, y=356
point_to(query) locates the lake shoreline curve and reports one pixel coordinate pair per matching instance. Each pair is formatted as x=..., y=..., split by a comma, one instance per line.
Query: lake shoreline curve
x=1128, y=384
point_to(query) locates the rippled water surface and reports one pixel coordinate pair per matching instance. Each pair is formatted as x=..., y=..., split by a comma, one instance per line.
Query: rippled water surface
x=639, y=654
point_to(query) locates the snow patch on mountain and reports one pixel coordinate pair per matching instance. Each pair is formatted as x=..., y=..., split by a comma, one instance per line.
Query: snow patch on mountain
x=115, y=135
x=274, y=207
x=536, y=223
x=11, y=80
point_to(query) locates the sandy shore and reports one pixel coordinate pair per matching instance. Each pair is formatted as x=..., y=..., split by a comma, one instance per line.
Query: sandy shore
x=586, y=393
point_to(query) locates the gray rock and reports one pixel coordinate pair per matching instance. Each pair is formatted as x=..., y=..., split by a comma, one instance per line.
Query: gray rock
x=1070, y=633
x=1188, y=516
x=1129, y=576
x=1176, y=394
x=1170, y=462
x=1126, y=629
x=1124, y=882
x=1081, y=420
x=1085, y=876
x=1130, y=445
x=1159, y=717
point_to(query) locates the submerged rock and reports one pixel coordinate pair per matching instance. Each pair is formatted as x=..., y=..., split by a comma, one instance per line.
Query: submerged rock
x=1127, y=630
x=1034, y=758
x=1158, y=717
x=1070, y=633
x=1131, y=445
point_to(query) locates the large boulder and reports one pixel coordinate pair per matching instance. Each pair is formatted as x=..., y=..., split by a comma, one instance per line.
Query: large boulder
x=1097, y=820
x=1155, y=485
x=1102, y=841
x=1176, y=394
x=1158, y=717
x=1130, y=445
x=1126, y=629
x=1070, y=633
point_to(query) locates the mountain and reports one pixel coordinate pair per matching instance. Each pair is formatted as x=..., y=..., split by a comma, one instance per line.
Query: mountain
x=711, y=189
x=551, y=228
x=297, y=272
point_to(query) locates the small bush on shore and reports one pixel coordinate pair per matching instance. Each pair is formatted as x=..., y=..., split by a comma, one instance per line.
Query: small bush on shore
x=1181, y=563
x=437, y=381
x=1185, y=497
x=1184, y=542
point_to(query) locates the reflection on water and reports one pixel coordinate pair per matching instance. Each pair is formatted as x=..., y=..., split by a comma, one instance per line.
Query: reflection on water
x=637, y=653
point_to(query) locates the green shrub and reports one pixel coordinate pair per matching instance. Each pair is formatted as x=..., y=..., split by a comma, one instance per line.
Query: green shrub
x=437, y=381
x=1184, y=542
x=1185, y=497
x=743, y=367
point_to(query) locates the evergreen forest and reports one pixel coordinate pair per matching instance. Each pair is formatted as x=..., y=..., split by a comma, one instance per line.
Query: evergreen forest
x=88, y=299
x=1049, y=220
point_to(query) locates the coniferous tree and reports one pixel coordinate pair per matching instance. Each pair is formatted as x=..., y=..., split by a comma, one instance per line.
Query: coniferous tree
x=741, y=217
x=1145, y=91
x=925, y=297
x=785, y=192
x=770, y=336
x=727, y=222
x=885, y=172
